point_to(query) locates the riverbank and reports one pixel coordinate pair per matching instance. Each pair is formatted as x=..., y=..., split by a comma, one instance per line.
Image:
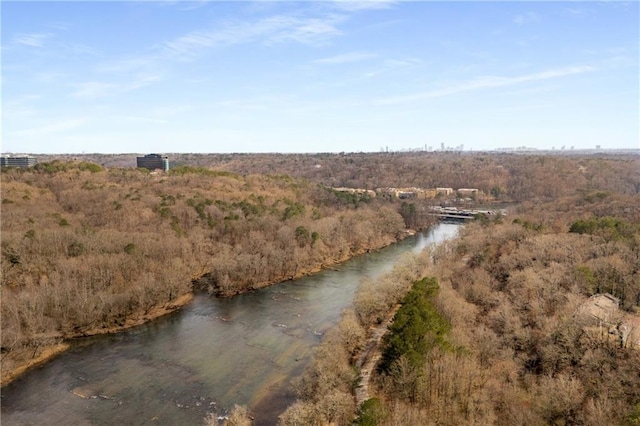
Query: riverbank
x=338, y=378
x=204, y=282
x=15, y=364
x=245, y=350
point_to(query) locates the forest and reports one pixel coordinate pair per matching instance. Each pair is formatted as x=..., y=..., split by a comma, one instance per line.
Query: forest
x=512, y=177
x=88, y=250
x=495, y=318
x=493, y=327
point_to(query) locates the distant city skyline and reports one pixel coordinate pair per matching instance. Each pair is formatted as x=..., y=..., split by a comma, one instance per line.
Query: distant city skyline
x=318, y=76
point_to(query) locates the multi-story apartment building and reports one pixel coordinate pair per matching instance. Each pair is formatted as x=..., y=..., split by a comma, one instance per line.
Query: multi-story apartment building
x=153, y=162
x=17, y=161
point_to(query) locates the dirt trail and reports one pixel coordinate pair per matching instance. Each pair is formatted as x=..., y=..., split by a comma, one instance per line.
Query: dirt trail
x=370, y=356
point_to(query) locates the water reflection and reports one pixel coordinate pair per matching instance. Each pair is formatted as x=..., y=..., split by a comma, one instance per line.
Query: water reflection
x=205, y=358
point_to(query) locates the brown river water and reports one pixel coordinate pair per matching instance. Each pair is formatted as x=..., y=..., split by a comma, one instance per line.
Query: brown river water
x=205, y=358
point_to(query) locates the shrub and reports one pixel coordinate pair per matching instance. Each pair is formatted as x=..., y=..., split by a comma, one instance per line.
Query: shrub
x=370, y=413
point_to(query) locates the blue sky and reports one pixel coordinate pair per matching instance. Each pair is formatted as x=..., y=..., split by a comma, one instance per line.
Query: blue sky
x=317, y=76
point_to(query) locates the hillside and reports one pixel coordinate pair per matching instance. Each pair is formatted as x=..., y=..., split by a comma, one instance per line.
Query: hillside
x=508, y=177
x=502, y=325
x=499, y=315
x=520, y=348
x=87, y=250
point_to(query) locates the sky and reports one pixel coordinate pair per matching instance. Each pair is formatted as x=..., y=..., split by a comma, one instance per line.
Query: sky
x=318, y=76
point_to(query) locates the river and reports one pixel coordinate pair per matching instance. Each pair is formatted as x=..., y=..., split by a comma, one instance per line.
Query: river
x=210, y=355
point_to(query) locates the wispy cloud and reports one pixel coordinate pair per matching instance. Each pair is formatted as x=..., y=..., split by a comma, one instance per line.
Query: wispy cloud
x=60, y=26
x=139, y=119
x=526, y=18
x=93, y=89
x=126, y=65
x=391, y=65
x=143, y=69
x=32, y=39
x=140, y=81
x=576, y=11
x=20, y=107
x=312, y=31
x=487, y=82
x=24, y=99
x=193, y=5
x=345, y=58
x=270, y=30
x=171, y=110
x=99, y=89
x=53, y=127
x=354, y=6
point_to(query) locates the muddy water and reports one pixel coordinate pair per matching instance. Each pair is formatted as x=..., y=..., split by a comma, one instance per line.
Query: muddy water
x=206, y=358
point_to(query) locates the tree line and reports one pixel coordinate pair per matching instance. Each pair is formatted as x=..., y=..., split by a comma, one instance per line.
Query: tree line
x=504, y=176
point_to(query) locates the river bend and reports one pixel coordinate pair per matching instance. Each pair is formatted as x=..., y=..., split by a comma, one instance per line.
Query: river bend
x=204, y=358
